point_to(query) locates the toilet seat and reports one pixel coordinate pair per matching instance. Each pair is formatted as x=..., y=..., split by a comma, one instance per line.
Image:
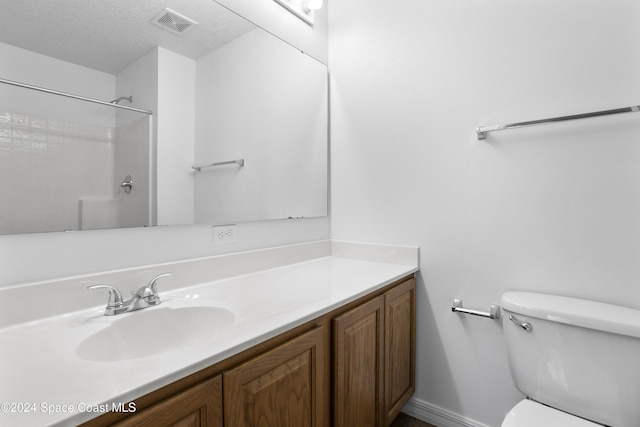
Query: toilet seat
x=528, y=413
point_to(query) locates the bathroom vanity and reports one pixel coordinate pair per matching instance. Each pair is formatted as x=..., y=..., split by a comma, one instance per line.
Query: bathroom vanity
x=314, y=334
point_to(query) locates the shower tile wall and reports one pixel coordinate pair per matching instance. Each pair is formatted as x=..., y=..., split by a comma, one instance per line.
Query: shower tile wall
x=46, y=167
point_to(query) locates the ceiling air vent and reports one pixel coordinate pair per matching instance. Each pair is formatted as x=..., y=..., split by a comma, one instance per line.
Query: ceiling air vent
x=173, y=21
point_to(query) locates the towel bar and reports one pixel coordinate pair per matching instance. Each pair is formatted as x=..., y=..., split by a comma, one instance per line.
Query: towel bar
x=482, y=131
x=239, y=162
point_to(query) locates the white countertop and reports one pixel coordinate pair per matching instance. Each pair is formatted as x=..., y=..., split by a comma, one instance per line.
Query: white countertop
x=47, y=382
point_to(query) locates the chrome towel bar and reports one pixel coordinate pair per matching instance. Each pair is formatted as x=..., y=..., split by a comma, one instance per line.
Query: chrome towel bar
x=493, y=314
x=483, y=130
x=239, y=162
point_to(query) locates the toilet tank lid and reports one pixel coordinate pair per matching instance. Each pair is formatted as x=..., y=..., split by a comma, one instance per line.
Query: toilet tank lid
x=574, y=311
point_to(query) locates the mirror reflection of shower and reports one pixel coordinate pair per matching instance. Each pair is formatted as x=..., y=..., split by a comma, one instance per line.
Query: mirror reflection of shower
x=122, y=98
x=65, y=152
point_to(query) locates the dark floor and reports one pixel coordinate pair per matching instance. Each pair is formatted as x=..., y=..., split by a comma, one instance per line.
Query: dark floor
x=405, y=420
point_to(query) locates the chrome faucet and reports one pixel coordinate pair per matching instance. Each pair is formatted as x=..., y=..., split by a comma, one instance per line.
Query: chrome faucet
x=146, y=296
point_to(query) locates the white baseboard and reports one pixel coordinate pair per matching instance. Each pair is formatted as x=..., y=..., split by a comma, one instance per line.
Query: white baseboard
x=438, y=416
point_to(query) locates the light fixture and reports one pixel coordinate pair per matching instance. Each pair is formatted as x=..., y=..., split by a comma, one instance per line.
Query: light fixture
x=303, y=9
x=310, y=5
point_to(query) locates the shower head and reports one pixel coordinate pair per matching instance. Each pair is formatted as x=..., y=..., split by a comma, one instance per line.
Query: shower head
x=117, y=101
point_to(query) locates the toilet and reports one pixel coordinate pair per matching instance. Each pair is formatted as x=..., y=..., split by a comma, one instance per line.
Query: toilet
x=576, y=361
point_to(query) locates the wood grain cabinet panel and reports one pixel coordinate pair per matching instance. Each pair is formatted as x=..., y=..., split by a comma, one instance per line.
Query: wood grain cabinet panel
x=358, y=355
x=400, y=343
x=374, y=359
x=198, y=406
x=282, y=387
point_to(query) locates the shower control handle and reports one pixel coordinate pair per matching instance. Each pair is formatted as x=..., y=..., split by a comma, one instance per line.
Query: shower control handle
x=126, y=184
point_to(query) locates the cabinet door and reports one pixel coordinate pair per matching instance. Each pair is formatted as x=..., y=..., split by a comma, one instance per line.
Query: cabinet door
x=198, y=406
x=358, y=366
x=283, y=387
x=400, y=343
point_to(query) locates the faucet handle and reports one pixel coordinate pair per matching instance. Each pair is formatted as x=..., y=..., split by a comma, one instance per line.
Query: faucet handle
x=150, y=292
x=115, y=297
x=153, y=284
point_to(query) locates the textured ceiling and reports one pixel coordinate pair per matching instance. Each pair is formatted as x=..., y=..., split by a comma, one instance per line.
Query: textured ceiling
x=108, y=35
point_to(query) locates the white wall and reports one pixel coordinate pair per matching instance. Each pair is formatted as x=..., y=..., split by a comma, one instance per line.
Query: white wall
x=175, y=123
x=552, y=209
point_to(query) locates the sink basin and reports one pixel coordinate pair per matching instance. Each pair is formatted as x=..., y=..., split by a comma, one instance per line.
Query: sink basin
x=153, y=331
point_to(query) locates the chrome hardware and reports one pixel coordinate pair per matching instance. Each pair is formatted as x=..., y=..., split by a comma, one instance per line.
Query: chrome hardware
x=524, y=325
x=70, y=95
x=122, y=98
x=150, y=292
x=146, y=296
x=493, y=314
x=153, y=283
x=115, y=303
x=126, y=184
x=482, y=131
x=239, y=162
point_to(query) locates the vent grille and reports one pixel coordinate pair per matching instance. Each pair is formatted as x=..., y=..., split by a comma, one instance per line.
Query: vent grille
x=173, y=21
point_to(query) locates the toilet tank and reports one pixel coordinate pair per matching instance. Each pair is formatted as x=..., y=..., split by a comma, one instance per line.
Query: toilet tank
x=579, y=356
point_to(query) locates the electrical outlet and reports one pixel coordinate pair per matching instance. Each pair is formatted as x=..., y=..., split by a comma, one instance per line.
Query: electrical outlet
x=223, y=234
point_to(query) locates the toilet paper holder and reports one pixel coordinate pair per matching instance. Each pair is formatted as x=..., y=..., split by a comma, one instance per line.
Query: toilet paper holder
x=493, y=314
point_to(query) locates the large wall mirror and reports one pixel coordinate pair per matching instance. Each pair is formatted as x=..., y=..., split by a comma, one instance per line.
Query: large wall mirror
x=236, y=129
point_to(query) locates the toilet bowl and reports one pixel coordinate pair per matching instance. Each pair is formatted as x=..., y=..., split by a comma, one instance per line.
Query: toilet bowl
x=576, y=361
x=528, y=413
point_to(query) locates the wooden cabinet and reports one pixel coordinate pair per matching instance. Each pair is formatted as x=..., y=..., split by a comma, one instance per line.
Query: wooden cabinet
x=283, y=387
x=358, y=365
x=197, y=406
x=354, y=366
x=374, y=359
x=400, y=345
